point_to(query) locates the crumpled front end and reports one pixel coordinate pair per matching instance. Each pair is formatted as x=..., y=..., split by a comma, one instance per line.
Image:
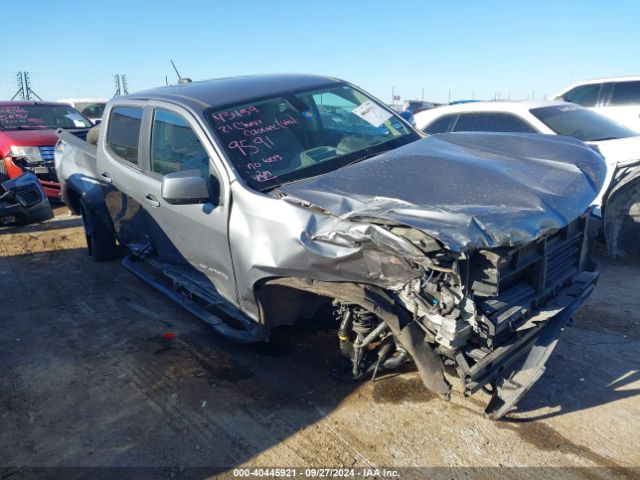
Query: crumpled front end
x=496, y=314
x=22, y=200
x=468, y=251
x=399, y=295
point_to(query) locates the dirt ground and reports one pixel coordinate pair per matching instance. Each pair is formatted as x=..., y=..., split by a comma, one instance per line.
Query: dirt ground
x=88, y=380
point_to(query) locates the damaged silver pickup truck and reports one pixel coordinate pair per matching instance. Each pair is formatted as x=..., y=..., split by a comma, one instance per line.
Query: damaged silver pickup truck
x=257, y=201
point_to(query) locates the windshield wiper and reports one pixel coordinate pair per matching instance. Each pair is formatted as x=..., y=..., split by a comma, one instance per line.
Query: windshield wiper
x=364, y=157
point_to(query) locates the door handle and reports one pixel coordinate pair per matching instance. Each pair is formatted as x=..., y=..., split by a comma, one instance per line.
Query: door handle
x=105, y=176
x=151, y=201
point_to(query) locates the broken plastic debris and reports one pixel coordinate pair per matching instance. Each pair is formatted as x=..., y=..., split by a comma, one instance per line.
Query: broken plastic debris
x=169, y=335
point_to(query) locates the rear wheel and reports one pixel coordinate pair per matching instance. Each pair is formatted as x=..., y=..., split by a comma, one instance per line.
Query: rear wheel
x=101, y=245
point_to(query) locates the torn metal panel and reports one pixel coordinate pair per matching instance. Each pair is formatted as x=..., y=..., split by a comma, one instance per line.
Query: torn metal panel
x=276, y=238
x=466, y=190
x=22, y=200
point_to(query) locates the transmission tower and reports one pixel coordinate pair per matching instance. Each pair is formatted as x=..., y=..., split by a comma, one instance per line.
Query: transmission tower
x=120, y=81
x=25, y=92
x=125, y=88
x=20, y=91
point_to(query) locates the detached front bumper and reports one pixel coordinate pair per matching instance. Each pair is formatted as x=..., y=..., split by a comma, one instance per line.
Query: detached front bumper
x=22, y=200
x=513, y=368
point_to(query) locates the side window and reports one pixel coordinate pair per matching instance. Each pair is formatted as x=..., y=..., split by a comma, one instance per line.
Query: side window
x=492, y=122
x=94, y=110
x=626, y=93
x=123, y=134
x=585, y=95
x=175, y=146
x=441, y=125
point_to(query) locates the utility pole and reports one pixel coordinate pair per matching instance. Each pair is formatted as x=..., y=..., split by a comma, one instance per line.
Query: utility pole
x=24, y=87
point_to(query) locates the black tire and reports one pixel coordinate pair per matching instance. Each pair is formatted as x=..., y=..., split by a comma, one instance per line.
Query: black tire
x=101, y=245
x=4, y=175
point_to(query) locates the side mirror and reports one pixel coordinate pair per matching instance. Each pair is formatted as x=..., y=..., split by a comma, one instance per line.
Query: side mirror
x=185, y=188
x=97, y=121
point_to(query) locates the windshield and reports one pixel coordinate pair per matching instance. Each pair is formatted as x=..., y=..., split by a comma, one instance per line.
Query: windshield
x=302, y=134
x=578, y=122
x=38, y=117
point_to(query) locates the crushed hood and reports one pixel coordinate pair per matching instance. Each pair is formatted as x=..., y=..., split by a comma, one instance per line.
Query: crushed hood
x=468, y=190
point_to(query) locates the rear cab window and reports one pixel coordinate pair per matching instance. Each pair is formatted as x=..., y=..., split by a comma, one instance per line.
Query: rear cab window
x=123, y=133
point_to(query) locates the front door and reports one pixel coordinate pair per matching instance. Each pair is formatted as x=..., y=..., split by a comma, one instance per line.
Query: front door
x=191, y=238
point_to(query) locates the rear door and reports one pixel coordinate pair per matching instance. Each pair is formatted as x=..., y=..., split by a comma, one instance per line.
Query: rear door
x=622, y=104
x=190, y=238
x=120, y=164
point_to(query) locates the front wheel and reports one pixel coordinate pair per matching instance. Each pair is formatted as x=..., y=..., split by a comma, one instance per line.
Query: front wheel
x=101, y=244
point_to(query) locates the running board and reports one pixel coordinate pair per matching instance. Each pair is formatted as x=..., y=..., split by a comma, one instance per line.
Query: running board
x=252, y=332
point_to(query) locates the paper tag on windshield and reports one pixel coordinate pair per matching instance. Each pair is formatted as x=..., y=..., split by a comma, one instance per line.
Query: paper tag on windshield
x=77, y=119
x=372, y=113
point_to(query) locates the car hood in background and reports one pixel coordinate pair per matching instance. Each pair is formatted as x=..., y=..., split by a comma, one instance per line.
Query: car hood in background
x=619, y=150
x=468, y=190
x=30, y=138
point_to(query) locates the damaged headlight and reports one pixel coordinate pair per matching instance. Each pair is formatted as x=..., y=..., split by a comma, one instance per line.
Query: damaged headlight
x=32, y=154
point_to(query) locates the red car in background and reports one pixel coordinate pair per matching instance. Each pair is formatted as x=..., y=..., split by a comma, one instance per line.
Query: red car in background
x=28, y=138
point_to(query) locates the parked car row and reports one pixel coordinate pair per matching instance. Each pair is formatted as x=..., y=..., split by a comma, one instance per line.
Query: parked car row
x=618, y=200
x=617, y=98
x=256, y=201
